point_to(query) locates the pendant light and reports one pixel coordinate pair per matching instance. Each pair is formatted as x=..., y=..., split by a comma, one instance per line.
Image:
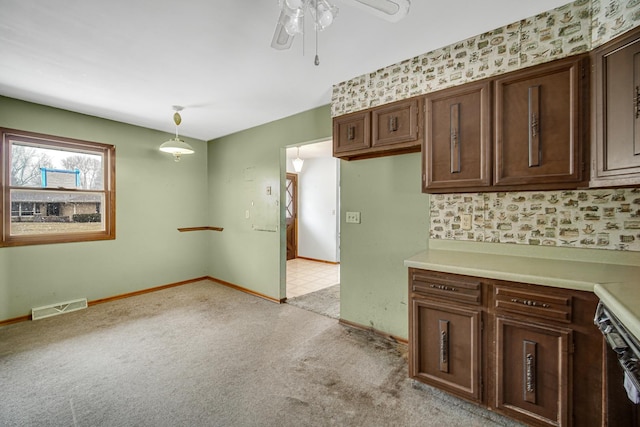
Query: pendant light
x=176, y=146
x=297, y=162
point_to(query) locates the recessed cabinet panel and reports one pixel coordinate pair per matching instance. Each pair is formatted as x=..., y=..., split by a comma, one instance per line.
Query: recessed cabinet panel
x=457, y=145
x=449, y=352
x=532, y=368
x=616, y=105
x=351, y=133
x=396, y=123
x=538, y=125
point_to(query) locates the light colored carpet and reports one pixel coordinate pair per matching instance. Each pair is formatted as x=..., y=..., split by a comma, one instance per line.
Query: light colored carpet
x=203, y=354
x=325, y=301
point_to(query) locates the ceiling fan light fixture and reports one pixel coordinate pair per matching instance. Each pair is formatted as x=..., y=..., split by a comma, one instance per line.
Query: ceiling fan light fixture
x=389, y=10
x=323, y=13
x=293, y=23
x=294, y=4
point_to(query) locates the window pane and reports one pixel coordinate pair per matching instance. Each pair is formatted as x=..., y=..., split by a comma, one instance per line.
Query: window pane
x=36, y=212
x=35, y=166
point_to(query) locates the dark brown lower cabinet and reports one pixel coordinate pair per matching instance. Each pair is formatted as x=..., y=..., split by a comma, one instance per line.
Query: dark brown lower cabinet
x=529, y=352
x=454, y=332
x=532, y=371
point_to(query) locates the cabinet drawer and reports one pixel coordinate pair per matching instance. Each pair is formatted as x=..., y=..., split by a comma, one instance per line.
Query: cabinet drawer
x=352, y=133
x=447, y=287
x=395, y=124
x=524, y=302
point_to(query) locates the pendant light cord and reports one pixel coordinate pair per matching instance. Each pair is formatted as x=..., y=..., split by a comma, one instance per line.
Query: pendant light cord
x=316, y=61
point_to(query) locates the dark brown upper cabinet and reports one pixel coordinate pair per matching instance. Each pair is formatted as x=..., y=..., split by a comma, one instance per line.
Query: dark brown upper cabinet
x=456, y=150
x=539, y=124
x=616, y=112
x=525, y=130
x=382, y=131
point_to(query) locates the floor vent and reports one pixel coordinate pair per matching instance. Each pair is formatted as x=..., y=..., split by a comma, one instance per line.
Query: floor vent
x=59, y=308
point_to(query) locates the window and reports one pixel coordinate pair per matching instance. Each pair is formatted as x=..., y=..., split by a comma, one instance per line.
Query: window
x=55, y=190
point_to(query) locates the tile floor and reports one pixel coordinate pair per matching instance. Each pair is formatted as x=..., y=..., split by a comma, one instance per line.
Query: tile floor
x=305, y=276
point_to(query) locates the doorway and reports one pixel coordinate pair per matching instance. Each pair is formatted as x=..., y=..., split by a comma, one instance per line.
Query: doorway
x=312, y=220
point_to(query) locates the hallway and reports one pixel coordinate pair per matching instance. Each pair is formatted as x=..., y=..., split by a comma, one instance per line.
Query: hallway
x=305, y=276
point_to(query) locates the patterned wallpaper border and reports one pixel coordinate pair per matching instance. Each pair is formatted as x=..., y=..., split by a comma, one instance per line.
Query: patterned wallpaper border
x=571, y=29
x=600, y=219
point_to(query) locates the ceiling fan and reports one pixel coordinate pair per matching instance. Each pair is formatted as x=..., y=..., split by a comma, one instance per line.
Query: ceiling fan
x=292, y=12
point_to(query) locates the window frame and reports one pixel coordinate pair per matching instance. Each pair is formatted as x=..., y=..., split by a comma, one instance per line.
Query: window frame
x=109, y=188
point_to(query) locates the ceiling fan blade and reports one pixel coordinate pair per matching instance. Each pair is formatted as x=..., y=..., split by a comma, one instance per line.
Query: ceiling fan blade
x=281, y=39
x=389, y=10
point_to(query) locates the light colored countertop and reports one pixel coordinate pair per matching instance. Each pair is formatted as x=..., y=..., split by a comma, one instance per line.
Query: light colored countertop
x=618, y=286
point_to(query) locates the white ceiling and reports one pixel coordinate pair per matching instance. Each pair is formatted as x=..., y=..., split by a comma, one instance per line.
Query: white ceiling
x=131, y=61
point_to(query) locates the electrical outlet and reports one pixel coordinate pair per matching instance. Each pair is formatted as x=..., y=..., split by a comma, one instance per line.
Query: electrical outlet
x=353, y=217
x=465, y=220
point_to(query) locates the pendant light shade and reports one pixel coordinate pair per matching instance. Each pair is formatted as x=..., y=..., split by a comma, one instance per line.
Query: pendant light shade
x=297, y=162
x=176, y=146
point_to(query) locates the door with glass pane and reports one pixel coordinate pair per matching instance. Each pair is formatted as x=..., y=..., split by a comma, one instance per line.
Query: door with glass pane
x=291, y=212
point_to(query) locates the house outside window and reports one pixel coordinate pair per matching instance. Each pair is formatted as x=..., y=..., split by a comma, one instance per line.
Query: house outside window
x=55, y=190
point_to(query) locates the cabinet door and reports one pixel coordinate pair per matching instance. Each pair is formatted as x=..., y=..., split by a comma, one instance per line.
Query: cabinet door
x=538, y=125
x=617, y=112
x=352, y=133
x=532, y=372
x=395, y=124
x=445, y=347
x=457, y=147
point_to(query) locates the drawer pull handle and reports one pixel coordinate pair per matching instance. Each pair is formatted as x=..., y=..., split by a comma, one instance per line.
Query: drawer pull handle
x=351, y=134
x=530, y=303
x=534, y=126
x=636, y=102
x=454, y=136
x=393, y=124
x=443, y=287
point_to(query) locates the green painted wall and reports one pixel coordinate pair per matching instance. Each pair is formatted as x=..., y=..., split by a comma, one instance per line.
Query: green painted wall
x=386, y=191
x=250, y=251
x=394, y=225
x=154, y=196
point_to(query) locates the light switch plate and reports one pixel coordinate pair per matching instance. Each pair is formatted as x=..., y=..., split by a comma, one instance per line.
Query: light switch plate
x=353, y=217
x=465, y=221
